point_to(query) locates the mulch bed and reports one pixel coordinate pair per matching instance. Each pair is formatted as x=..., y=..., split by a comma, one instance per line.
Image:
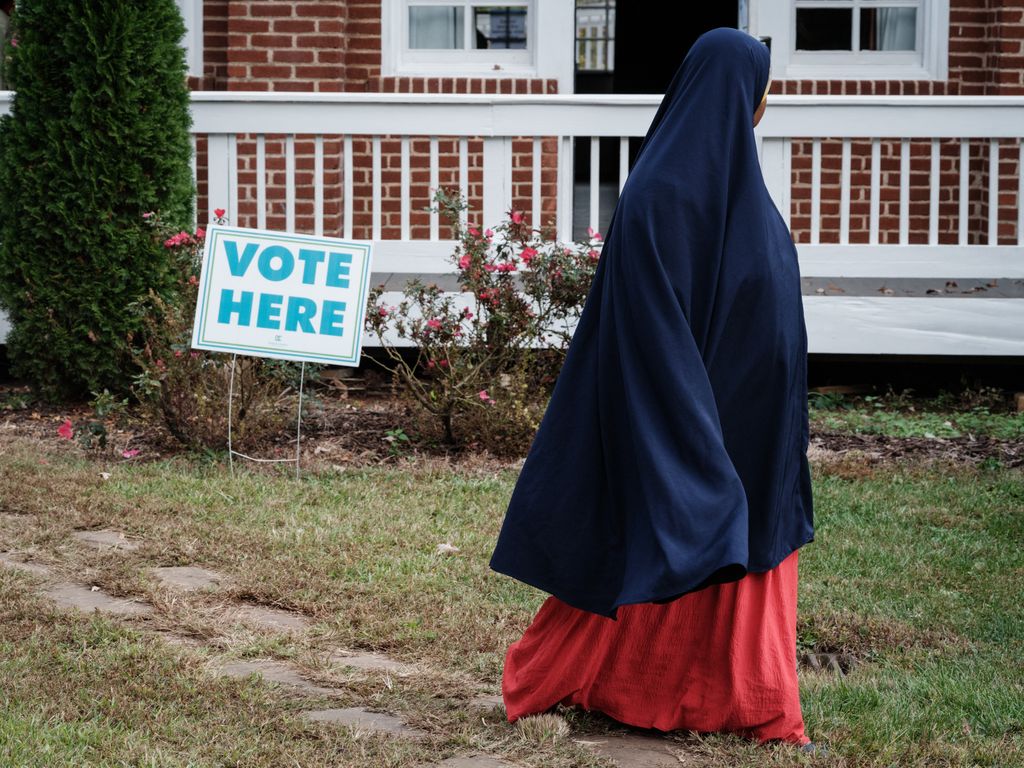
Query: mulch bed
x=350, y=430
x=967, y=449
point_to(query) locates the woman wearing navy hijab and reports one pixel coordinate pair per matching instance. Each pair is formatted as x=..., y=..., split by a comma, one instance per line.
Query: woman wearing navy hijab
x=667, y=491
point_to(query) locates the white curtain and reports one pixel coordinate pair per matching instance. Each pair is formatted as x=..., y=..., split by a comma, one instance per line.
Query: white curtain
x=436, y=26
x=897, y=29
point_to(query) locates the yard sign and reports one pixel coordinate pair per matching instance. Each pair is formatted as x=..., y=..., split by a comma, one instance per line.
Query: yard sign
x=280, y=295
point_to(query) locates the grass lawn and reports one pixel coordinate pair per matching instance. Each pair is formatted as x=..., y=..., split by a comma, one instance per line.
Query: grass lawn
x=916, y=570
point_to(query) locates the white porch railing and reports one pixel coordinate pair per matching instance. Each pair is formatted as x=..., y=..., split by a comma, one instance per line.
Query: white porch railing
x=878, y=320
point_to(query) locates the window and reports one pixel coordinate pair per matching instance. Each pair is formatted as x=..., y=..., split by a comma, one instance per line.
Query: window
x=595, y=35
x=857, y=39
x=192, y=14
x=465, y=34
x=513, y=38
x=444, y=27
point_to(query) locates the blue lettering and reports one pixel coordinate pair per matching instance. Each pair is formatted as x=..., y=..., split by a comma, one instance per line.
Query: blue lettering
x=310, y=260
x=332, y=317
x=228, y=307
x=276, y=252
x=336, y=267
x=239, y=264
x=269, y=314
x=300, y=313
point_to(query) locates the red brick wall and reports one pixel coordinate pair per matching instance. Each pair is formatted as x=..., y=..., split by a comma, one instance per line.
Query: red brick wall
x=255, y=45
x=986, y=57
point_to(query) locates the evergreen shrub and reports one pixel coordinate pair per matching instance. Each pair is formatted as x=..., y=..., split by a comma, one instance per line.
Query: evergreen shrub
x=97, y=135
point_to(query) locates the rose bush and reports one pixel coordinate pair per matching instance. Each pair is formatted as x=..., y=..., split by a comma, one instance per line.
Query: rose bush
x=187, y=389
x=486, y=368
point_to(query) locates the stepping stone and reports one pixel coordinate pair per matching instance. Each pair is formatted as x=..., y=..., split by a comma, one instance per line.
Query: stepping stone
x=369, y=661
x=838, y=663
x=87, y=600
x=356, y=717
x=271, y=618
x=276, y=672
x=475, y=761
x=187, y=577
x=106, y=539
x=17, y=561
x=634, y=750
x=487, y=702
x=174, y=638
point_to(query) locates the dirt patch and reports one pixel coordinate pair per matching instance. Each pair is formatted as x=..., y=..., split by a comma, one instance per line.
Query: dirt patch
x=340, y=430
x=837, y=449
x=851, y=639
x=351, y=429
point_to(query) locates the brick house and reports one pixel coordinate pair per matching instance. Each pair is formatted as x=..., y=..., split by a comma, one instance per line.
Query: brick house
x=849, y=47
x=891, y=144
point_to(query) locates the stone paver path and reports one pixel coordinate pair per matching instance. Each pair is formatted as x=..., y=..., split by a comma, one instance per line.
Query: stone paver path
x=637, y=750
x=487, y=702
x=361, y=719
x=20, y=562
x=274, y=619
x=631, y=750
x=106, y=540
x=188, y=577
x=370, y=661
x=475, y=761
x=274, y=671
x=89, y=599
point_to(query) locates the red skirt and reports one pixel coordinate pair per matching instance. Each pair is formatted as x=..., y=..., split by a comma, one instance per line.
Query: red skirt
x=719, y=659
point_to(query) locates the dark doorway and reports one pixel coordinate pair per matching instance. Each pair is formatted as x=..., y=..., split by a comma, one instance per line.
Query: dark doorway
x=630, y=47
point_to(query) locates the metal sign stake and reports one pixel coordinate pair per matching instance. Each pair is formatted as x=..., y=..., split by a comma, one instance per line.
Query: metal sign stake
x=298, y=423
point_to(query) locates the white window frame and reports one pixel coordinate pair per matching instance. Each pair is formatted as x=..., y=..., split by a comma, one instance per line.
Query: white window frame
x=930, y=61
x=549, y=45
x=192, y=13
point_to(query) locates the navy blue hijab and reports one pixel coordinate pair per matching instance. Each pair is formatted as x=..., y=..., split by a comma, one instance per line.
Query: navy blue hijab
x=672, y=454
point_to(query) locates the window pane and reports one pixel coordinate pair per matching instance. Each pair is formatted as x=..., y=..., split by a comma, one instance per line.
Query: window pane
x=499, y=26
x=595, y=35
x=888, y=29
x=436, y=26
x=824, y=29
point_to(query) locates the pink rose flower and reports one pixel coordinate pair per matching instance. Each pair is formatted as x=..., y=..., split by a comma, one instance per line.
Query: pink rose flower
x=65, y=430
